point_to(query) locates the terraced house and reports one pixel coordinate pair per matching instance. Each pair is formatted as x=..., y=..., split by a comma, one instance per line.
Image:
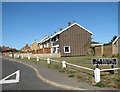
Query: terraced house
x=74, y=40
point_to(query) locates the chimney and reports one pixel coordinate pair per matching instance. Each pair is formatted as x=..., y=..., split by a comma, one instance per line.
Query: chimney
x=61, y=29
x=26, y=44
x=69, y=23
x=55, y=32
x=51, y=34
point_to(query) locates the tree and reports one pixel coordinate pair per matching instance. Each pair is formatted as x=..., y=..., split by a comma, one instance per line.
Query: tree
x=114, y=37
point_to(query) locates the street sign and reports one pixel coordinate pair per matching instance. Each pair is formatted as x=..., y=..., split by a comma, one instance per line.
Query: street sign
x=104, y=61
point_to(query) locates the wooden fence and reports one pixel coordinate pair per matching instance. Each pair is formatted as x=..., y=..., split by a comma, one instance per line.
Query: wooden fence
x=42, y=51
x=104, y=50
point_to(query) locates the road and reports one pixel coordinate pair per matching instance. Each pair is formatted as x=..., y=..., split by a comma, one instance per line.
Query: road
x=28, y=77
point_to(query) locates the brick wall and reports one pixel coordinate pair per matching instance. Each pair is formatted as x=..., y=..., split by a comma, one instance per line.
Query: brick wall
x=40, y=51
x=47, y=50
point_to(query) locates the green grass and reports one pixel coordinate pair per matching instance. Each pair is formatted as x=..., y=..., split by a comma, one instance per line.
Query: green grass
x=79, y=77
x=85, y=61
x=61, y=71
x=71, y=75
x=100, y=84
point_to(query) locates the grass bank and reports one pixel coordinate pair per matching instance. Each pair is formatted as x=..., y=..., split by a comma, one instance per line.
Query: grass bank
x=107, y=79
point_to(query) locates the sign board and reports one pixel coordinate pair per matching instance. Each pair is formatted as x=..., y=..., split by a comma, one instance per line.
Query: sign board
x=104, y=61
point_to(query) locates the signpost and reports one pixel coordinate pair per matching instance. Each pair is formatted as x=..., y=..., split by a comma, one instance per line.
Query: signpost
x=105, y=61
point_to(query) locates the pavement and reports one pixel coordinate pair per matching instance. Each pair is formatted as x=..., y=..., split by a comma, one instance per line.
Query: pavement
x=55, y=78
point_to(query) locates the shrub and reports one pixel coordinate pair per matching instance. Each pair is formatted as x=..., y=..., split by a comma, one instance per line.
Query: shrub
x=70, y=71
x=117, y=55
x=100, y=84
x=79, y=77
x=61, y=71
x=56, y=66
x=71, y=75
x=113, y=55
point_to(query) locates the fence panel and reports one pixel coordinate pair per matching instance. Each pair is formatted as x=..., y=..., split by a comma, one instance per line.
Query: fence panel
x=98, y=51
x=47, y=50
x=40, y=51
x=107, y=50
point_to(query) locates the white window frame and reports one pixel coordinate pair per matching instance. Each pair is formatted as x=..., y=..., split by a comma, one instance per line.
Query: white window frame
x=64, y=49
x=41, y=46
x=47, y=45
x=57, y=38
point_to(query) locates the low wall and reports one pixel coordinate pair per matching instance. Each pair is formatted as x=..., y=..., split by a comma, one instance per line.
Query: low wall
x=41, y=51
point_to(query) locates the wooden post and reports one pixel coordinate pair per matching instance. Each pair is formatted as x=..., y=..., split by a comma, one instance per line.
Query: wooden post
x=97, y=66
x=112, y=71
x=102, y=51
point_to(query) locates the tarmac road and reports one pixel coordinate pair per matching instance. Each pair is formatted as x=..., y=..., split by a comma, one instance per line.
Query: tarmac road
x=28, y=77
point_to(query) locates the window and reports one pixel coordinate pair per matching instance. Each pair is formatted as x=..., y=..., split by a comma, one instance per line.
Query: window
x=57, y=38
x=66, y=49
x=41, y=46
x=47, y=45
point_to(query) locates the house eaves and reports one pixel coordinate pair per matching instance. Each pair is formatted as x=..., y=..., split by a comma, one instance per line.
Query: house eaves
x=69, y=27
x=66, y=29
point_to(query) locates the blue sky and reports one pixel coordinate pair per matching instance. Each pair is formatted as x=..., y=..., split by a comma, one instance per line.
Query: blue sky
x=22, y=23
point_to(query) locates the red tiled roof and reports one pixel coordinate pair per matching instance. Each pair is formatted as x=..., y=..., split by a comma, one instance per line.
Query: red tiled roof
x=26, y=47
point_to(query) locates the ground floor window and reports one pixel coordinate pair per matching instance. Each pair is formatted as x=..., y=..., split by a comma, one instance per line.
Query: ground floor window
x=66, y=49
x=55, y=50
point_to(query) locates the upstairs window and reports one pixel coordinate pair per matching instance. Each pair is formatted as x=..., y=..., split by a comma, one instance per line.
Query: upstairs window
x=66, y=49
x=57, y=38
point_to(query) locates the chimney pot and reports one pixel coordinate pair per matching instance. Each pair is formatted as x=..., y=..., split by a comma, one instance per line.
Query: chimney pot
x=69, y=23
x=61, y=29
x=51, y=34
x=55, y=32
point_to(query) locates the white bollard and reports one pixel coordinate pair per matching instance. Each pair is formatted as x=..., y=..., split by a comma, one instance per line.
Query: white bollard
x=18, y=56
x=14, y=55
x=22, y=56
x=37, y=58
x=48, y=60
x=28, y=57
x=10, y=55
x=97, y=75
x=63, y=64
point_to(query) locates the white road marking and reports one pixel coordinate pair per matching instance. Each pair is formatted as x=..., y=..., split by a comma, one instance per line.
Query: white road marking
x=17, y=79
